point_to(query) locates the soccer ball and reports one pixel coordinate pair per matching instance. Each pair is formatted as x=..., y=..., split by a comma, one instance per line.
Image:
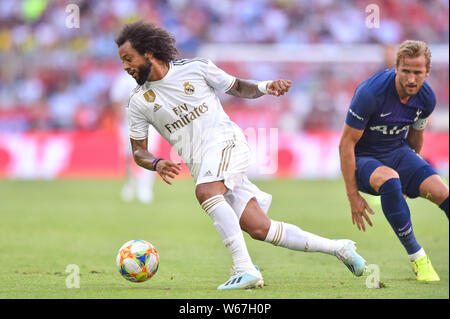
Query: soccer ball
x=137, y=260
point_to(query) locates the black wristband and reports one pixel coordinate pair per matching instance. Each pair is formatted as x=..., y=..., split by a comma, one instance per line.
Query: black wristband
x=154, y=163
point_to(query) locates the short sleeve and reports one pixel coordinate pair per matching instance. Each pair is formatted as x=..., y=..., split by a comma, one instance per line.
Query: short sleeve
x=361, y=107
x=138, y=125
x=218, y=78
x=428, y=99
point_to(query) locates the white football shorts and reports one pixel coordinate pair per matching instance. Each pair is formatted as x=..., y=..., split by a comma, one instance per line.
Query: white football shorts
x=229, y=161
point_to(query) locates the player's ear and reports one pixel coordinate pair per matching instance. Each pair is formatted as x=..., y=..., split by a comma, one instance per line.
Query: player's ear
x=148, y=55
x=428, y=71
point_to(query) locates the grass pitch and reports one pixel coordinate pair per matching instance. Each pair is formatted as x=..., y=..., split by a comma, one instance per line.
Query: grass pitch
x=47, y=225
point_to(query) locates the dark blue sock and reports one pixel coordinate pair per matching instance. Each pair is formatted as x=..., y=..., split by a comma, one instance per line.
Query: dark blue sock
x=397, y=213
x=444, y=206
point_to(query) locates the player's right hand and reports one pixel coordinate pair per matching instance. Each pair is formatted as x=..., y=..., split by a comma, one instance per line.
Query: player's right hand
x=359, y=207
x=279, y=87
x=168, y=169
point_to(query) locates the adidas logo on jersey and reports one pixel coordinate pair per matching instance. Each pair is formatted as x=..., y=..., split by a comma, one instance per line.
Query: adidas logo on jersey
x=156, y=107
x=208, y=173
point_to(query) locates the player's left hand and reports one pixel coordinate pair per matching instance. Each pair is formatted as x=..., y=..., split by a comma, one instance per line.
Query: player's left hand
x=279, y=87
x=359, y=207
x=168, y=169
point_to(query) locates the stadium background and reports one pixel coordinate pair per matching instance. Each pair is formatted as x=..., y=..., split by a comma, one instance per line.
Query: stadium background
x=62, y=165
x=56, y=118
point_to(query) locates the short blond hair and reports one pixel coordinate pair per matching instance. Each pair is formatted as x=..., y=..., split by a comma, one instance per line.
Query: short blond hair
x=414, y=48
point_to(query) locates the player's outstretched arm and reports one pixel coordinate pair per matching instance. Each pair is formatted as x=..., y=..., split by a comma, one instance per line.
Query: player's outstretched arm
x=165, y=168
x=250, y=90
x=358, y=204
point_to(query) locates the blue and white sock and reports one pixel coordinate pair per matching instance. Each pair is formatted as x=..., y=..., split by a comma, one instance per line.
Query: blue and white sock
x=397, y=213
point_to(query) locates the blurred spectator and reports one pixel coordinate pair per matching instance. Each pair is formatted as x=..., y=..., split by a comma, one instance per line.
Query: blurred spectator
x=54, y=77
x=389, y=57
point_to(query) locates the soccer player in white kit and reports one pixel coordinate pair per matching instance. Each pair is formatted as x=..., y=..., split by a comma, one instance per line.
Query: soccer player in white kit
x=178, y=98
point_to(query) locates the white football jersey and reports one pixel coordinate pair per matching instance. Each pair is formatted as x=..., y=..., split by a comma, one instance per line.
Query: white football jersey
x=184, y=108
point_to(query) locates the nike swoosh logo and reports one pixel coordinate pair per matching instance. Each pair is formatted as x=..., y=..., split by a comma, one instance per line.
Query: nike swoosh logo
x=386, y=114
x=403, y=228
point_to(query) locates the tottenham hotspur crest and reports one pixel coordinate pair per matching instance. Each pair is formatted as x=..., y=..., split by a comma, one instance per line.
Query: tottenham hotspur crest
x=189, y=89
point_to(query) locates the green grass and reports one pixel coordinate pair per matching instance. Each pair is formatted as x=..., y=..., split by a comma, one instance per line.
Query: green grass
x=47, y=225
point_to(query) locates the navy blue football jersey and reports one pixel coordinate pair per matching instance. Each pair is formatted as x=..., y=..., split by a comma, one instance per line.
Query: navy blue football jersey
x=376, y=109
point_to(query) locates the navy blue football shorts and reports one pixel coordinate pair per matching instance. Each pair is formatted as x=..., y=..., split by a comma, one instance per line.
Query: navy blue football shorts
x=410, y=166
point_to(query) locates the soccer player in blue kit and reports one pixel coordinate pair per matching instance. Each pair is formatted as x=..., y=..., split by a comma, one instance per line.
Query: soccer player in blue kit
x=380, y=146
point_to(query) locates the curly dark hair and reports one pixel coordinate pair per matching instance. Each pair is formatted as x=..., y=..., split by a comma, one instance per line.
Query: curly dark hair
x=148, y=37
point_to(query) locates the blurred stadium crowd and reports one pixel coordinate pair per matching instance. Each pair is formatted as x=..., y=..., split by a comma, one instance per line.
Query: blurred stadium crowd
x=55, y=77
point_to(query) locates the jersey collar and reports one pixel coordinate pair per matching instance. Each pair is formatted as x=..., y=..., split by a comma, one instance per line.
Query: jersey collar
x=169, y=72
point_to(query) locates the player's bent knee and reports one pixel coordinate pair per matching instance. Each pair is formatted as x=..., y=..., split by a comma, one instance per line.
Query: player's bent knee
x=443, y=192
x=254, y=221
x=258, y=233
x=439, y=196
x=434, y=189
x=203, y=193
x=381, y=175
x=208, y=190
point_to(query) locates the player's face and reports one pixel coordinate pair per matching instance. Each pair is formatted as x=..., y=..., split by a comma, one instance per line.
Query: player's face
x=137, y=65
x=411, y=74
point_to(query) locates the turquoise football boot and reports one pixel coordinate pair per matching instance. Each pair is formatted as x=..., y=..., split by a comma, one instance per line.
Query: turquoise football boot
x=243, y=279
x=348, y=255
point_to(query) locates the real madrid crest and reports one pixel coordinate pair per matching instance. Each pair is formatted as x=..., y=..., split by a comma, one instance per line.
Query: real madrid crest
x=188, y=88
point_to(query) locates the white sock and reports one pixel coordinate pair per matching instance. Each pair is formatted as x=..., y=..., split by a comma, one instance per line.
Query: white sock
x=227, y=225
x=292, y=237
x=417, y=255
